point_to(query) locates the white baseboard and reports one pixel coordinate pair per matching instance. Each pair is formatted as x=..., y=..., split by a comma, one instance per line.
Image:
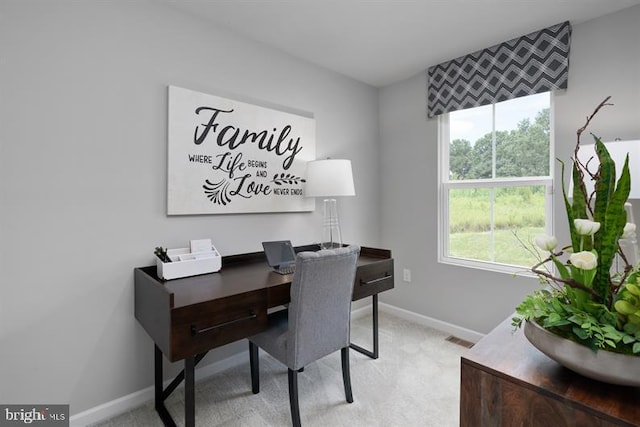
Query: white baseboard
x=126, y=403
x=457, y=331
x=361, y=312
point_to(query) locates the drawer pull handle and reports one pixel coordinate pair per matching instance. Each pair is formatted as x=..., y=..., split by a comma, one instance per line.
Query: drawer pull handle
x=379, y=279
x=196, y=331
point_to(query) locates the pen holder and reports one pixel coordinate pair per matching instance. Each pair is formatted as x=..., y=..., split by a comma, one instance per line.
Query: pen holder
x=184, y=263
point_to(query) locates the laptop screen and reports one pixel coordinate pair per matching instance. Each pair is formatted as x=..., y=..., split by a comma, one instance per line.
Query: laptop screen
x=279, y=253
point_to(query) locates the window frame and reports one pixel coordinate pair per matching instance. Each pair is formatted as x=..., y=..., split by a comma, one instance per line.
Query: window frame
x=445, y=185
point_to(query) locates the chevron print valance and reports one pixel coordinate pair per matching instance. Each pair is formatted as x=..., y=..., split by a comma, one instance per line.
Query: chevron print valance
x=535, y=63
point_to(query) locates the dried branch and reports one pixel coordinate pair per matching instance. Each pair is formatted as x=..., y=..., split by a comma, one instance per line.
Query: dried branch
x=589, y=118
x=584, y=167
x=627, y=271
x=569, y=282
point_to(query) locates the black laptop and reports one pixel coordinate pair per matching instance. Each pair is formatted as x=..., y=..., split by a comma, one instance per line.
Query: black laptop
x=280, y=256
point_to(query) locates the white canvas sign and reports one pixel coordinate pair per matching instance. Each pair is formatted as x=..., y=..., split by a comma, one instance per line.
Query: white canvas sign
x=227, y=156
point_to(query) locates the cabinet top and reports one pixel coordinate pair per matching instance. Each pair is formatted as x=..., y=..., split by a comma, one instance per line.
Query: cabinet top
x=509, y=355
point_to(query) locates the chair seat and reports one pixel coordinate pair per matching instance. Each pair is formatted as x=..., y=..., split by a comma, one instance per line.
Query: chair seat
x=274, y=339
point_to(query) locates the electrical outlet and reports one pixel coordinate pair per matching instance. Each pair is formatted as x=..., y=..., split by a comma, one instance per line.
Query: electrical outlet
x=406, y=275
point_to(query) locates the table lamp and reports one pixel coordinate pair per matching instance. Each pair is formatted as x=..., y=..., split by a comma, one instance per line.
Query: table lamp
x=329, y=178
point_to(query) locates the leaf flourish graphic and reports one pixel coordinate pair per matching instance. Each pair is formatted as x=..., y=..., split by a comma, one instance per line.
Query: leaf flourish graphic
x=287, y=179
x=217, y=192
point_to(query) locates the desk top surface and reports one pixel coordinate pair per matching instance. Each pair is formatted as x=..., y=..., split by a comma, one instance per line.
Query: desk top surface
x=239, y=274
x=509, y=355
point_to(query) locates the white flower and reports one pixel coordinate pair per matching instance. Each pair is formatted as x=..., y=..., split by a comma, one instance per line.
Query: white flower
x=629, y=231
x=584, y=260
x=546, y=243
x=586, y=227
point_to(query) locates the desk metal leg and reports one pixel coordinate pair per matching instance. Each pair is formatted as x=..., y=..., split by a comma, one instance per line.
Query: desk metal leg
x=189, y=392
x=188, y=375
x=374, y=354
x=165, y=416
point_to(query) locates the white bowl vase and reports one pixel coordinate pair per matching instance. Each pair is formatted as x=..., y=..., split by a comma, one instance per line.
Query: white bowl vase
x=605, y=366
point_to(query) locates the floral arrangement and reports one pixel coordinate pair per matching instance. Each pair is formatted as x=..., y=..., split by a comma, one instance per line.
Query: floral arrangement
x=584, y=300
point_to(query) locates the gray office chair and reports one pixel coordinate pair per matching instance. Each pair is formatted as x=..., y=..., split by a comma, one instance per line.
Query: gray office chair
x=317, y=322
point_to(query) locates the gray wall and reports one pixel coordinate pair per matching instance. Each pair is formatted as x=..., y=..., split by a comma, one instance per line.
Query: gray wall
x=605, y=60
x=83, y=110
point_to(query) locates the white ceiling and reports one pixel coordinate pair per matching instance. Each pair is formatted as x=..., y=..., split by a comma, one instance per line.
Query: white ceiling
x=383, y=41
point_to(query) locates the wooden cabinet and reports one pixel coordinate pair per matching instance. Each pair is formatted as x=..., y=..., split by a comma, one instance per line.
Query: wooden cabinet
x=505, y=381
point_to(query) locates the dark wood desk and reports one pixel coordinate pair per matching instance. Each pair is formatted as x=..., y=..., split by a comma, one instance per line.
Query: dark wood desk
x=505, y=381
x=187, y=317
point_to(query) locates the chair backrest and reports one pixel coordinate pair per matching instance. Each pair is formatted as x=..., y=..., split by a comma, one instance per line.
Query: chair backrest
x=320, y=308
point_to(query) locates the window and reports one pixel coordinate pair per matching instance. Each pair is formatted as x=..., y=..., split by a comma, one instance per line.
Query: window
x=495, y=183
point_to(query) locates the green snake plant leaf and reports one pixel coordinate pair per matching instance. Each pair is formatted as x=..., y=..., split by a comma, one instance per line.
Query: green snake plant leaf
x=616, y=216
x=579, y=209
x=609, y=211
x=604, y=189
x=575, y=239
x=606, y=184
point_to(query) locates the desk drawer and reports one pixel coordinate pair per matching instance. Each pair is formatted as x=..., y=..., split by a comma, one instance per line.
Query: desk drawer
x=200, y=327
x=373, y=278
x=279, y=295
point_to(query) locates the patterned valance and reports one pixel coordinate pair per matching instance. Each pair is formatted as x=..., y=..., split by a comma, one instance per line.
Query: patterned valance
x=535, y=63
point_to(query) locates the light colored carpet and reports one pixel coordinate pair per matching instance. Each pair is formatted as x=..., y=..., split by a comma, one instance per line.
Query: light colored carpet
x=415, y=382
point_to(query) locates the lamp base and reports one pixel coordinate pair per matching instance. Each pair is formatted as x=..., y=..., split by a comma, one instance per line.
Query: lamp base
x=630, y=245
x=331, y=236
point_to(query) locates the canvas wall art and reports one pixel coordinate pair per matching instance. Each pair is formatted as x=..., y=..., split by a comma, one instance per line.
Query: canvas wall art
x=227, y=156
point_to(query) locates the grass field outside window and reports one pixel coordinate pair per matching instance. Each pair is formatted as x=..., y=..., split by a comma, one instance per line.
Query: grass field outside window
x=518, y=216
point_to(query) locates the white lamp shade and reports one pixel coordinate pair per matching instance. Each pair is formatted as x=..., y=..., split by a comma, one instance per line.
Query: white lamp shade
x=618, y=151
x=329, y=178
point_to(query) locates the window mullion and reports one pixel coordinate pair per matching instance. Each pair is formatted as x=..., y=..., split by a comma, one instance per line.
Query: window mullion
x=492, y=203
x=492, y=217
x=500, y=182
x=493, y=142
